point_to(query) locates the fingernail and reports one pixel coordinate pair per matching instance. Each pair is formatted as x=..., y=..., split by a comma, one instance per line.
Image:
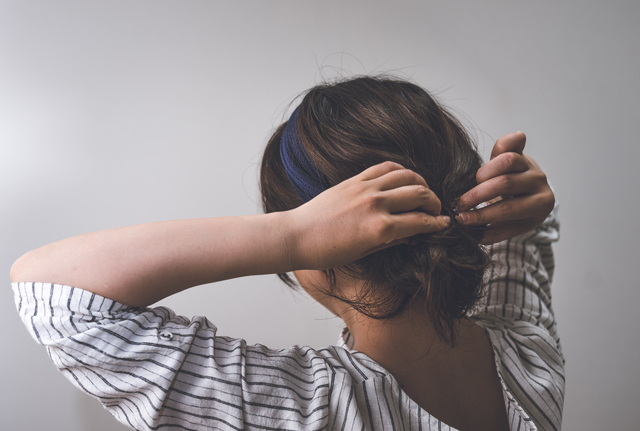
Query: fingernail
x=446, y=219
x=462, y=218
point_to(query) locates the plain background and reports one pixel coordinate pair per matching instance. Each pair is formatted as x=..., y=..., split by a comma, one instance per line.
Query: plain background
x=121, y=112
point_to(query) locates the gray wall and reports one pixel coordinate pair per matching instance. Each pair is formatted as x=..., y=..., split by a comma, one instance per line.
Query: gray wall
x=119, y=112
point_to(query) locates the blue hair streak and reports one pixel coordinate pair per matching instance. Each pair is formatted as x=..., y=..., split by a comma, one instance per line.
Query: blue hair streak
x=305, y=178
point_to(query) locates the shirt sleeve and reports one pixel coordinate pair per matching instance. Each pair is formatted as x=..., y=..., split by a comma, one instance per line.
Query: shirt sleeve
x=153, y=369
x=518, y=317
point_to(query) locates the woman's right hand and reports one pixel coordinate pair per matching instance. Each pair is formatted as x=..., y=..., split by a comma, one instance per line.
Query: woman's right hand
x=378, y=208
x=517, y=192
x=139, y=265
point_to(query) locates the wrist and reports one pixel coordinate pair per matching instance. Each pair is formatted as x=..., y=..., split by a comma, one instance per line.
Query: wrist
x=291, y=235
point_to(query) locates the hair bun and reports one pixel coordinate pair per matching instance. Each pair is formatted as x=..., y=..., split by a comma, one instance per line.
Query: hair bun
x=346, y=127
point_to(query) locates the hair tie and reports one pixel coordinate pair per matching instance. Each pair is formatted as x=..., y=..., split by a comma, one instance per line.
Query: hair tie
x=305, y=178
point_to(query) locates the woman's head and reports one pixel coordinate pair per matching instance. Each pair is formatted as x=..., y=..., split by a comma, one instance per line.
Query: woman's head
x=341, y=129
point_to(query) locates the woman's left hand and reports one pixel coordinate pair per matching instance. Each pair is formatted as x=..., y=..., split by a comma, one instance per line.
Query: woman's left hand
x=515, y=188
x=381, y=207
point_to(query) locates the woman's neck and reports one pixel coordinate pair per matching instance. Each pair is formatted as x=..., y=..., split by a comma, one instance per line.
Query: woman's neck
x=406, y=345
x=458, y=385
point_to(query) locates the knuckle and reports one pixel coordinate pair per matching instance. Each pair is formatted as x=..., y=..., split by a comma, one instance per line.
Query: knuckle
x=406, y=174
x=549, y=201
x=541, y=205
x=509, y=159
x=410, y=176
x=552, y=198
x=425, y=220
x=540, y=176
x=428, y=198
x=382, y=228
x=468, y=198
x=389, y=165
x=373, y=201
x=500, y=146
x=505, y=184
x=476, y=217
x=422, y=191
x=415, y=191
x=508, y=209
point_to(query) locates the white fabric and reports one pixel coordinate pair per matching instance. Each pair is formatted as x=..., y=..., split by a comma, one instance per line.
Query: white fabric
x=155, y=370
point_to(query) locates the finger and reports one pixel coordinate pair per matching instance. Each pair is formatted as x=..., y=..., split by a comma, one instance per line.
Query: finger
x=503, y=185
x=399, y=178
x=379, y=170
x=518, y=208
x=505, y=163
x=412, y=223
x=409, y=198
x=511, y=143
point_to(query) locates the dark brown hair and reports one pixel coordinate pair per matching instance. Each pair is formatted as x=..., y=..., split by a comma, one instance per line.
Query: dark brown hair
x=349, y=126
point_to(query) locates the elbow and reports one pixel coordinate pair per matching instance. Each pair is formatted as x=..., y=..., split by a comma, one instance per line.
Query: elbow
x=24, y=269
x=18, y=269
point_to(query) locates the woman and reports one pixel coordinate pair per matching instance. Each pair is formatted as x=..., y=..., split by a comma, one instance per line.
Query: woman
x=369, y=191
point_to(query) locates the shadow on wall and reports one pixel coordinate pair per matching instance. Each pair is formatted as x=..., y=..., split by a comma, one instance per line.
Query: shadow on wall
x=93, y=417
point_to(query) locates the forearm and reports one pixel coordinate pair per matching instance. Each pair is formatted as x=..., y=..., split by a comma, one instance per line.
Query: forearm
x=141, y=264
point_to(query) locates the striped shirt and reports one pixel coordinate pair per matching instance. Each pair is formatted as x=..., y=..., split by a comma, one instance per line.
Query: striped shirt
x=155, y=370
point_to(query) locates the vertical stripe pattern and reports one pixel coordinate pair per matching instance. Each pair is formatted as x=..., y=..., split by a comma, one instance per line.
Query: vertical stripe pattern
x=153, y=369
x=519, y=320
